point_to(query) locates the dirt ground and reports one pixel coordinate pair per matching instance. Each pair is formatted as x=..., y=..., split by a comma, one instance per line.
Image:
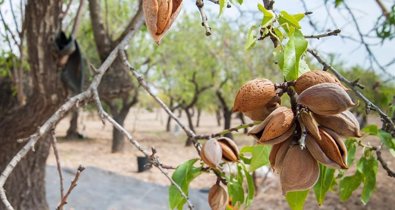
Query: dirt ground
x=149, y=129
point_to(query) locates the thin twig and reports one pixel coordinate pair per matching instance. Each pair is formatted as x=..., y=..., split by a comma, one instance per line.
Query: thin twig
x=72, y=186
x=388, y=124
x=200, y=6
x=77, y=19
x=58, y=166
x=318, y=36
x=383, y=163
x=144, y=84
x=372, y=56
x=230, y=130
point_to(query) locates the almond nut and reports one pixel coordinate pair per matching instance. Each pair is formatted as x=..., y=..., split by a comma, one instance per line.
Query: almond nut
x=325, y=99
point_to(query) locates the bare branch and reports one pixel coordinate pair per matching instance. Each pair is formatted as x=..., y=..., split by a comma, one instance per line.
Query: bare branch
x=58, y=166
x=372, y=57
x=318, y=36
x=64, y=13
x=77, y=19
x=230, y=130
x=72, y=186
x=383, y=163
x=138, y=17
x=200, y=6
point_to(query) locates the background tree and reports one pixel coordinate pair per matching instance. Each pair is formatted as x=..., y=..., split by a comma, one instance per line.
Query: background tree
x=43, y=96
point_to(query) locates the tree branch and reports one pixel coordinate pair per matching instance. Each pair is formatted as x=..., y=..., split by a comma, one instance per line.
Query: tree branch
x=318, y=36
x=58, y=166
x=72, y=186
x=230, y=130
x=77, y=19
x=138, y=17
x=200, y=6
x=388, y=124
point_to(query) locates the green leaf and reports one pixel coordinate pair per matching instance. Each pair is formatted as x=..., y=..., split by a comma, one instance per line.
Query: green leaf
x=259, y=155
x=371, y=129
x=293, y=51
x=388, y=141
x=368, y=165
x=236, y=192
x=222, y=5
x=325, y=181
x=268, y=16
x=240, y=2
x=299, y=16
x=348, y=184
x=351, y=145
x=338, y=2
x=251, y=186
x=183, y=176
x=290, y=19
x=297, y=199
x=251, y=38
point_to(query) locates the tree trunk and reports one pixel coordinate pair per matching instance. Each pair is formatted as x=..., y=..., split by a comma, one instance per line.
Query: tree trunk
x=118, y=140
x=190, y=124
x=168, y=124
x=25, y=187
x=227, y=121
x=218, y=116
x=72, y=132
x=243, y=121
x=119, y=115
x=199, y=113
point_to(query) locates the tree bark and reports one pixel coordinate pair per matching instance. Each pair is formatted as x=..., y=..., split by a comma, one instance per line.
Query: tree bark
x=26, y=185
x=218, y=116
x=190, y=124
x=72, y=132
x=227, y=121
x=226, y=111
x=243, y=121
x=199, y=113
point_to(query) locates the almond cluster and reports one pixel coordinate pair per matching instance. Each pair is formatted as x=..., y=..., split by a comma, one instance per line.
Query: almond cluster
x=313, y=132
x=213, y=153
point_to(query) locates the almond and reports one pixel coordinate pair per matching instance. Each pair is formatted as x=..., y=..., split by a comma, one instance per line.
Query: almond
x=315, y=77
x=325, y=99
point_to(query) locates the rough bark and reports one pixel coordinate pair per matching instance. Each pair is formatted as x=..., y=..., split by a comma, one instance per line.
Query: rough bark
x=26, y=186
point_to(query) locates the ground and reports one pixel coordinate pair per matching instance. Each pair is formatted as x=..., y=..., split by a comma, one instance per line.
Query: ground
x=148, y=128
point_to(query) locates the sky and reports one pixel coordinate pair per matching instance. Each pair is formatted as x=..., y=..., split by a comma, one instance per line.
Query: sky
x=349, y=52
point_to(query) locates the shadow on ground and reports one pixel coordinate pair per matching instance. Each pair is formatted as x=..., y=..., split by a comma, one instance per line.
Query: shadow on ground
x=103, y=190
